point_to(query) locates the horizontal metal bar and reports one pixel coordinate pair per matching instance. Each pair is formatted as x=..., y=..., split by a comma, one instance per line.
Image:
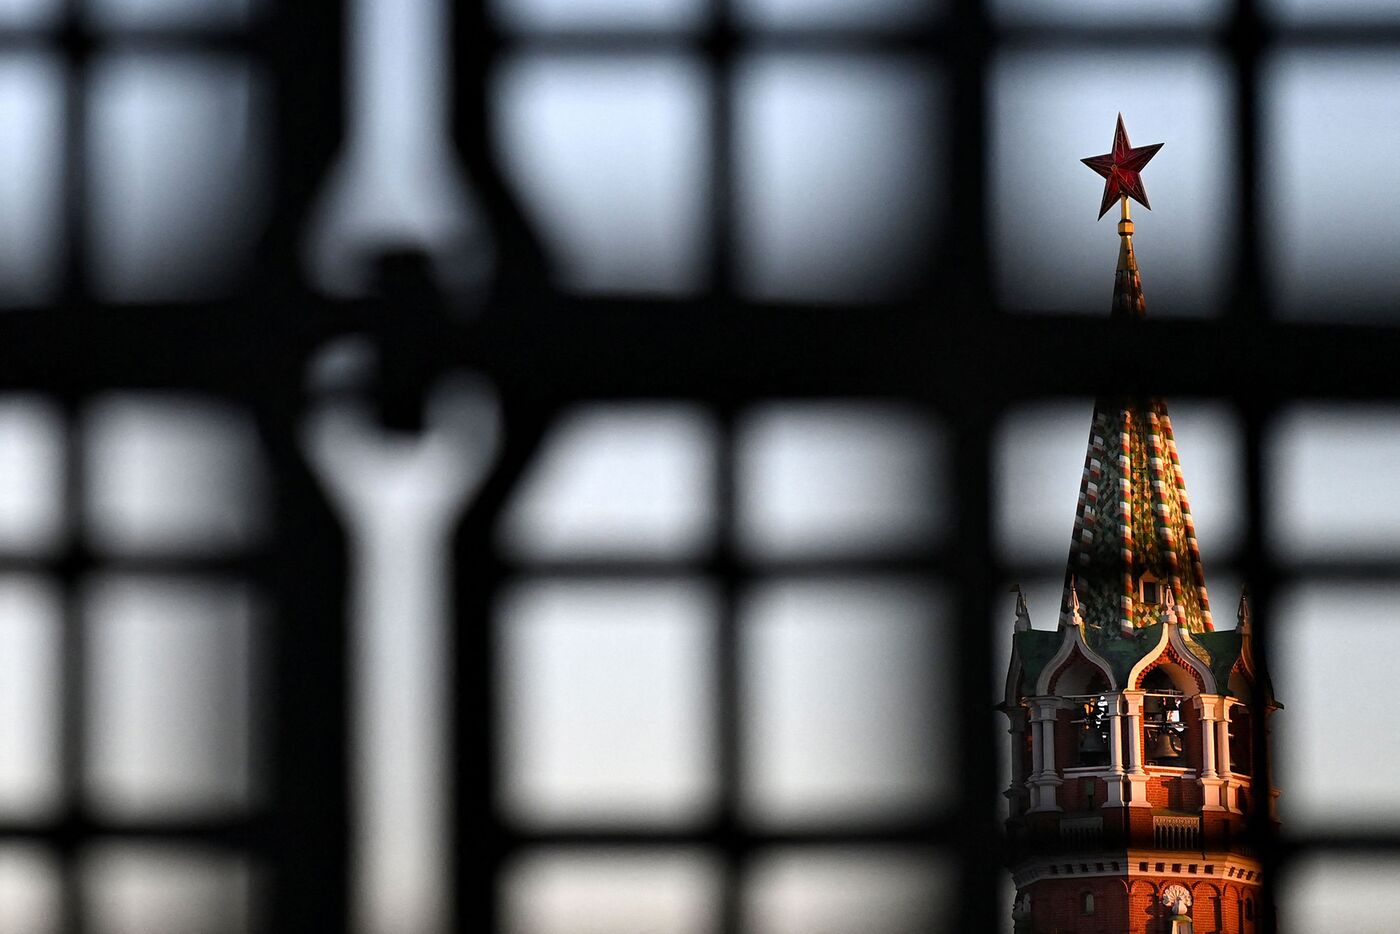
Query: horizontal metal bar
x=708, y=352
x=250, y=834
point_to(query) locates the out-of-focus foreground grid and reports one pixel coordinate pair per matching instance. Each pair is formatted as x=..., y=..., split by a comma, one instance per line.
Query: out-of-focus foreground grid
x=557, y=467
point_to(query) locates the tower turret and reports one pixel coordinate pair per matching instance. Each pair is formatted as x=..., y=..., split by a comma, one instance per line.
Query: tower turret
x=1133, y=775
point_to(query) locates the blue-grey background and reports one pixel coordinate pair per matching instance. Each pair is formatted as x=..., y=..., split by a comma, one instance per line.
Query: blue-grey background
x=607, y=687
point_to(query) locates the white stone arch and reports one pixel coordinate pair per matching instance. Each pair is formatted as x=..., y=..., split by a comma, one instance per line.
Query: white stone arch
x=1180, y=661
x=1187, y=657
x=1180, y=677
x=1073, y=645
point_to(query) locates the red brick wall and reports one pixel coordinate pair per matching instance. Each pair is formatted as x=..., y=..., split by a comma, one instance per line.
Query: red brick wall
x=1065, y=754
x=1072, y=797
x=1191, y=740
x=1122, y=906
x=1057, y=906
x=1174, y=792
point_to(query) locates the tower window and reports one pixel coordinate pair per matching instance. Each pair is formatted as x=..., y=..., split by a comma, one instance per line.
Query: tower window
x=1086, y=903
x=1149, y=592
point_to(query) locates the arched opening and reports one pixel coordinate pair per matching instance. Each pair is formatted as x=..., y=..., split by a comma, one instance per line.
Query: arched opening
x=1086, y=903
x=1163, y=721
x=1090, y=721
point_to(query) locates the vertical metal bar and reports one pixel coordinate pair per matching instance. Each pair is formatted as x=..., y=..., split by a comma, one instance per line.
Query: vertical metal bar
x=308, y=681
x=307, y=128
x=77, y=55
x=74, y=675
x=1249, y=302
x=979, y=862
x=483, y=840
x=522, y=269
x=726, y=662
x=965, y=263
x=308, y=746
x=1249, y=299
x=722, y=48
x=1262, y=577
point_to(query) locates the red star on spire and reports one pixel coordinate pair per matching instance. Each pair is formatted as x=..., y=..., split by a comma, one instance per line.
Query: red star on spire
x=1121, y=168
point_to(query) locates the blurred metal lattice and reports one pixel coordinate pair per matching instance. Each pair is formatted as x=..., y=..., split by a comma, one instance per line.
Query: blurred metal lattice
x=937, y=344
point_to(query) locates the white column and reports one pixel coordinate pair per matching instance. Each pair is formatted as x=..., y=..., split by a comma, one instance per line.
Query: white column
x=1214, y=792
x=1222, y=741
x=1132, y=706
x=1115, y=740
x=1044, y=780
x=1046, y=714
x=1207, y=741
x=1116, y=797
x=1137, y=775
x=1020, y=726
x=1224, y=766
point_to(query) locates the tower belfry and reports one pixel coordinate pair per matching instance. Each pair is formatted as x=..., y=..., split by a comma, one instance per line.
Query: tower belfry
x=1133, y=772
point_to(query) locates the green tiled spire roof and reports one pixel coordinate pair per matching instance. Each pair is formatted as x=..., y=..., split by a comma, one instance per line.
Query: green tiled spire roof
x=1133, y=523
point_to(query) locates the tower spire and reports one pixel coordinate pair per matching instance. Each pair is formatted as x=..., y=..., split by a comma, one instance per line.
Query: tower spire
x=1128, y=300
x=1130, y=722
x=1134, y=554
x=1121, y=169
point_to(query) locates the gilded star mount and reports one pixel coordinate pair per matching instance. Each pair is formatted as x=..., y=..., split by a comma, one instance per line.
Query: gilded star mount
x=1122, y=170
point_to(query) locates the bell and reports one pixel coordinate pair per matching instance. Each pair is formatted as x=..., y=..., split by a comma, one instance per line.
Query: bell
x=1091, y=742
x=1164, y=748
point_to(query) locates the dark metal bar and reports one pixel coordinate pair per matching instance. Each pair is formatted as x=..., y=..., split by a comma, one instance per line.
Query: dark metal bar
x=480, y=841
x=729, y=715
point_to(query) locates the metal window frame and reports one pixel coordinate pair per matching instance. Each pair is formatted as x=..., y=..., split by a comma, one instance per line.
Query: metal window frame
x=931, y=351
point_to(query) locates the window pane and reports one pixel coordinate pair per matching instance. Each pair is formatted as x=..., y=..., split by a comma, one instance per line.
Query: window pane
x=152, y=889
x=1341, y=642
x=841, y=689
x=1333, y=492
x=1329, y=11
x=174, y=169
x=838, y=479
x=31, y=154
x=1340, y=893
x=601, y=15
x=171, y=474
x=169, y=706
x=609, y=156
x=618, y=481
x=29, y=890
x=1335, y=241
x=157, y=14
x=1112, y=13
x=32, y=467
x=607, y=704
x=837, y=14
x=850, y=218
x=1055, y=108
x=607, y=891
x=30, y=704
x=868, y=890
